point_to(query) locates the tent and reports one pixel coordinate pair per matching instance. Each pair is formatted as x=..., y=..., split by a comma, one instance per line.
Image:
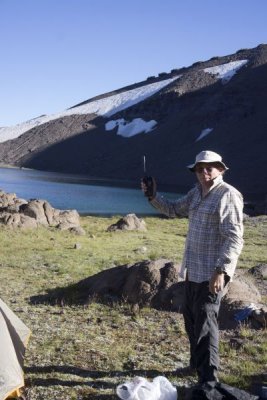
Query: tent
x=14, y=336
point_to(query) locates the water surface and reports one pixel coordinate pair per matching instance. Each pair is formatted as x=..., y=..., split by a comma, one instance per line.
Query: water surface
x=67, y=192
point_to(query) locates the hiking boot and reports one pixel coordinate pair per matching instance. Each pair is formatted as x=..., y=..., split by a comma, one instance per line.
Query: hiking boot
x=209, y=376
x=185, y=371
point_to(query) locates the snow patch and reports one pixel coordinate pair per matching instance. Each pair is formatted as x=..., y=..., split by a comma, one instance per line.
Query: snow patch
x=105, y=107
x=204, y=133
x=226, y=71
x=110, y=125
x=129, y=129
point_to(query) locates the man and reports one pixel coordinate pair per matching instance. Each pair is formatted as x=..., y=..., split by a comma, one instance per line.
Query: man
x=214, y=242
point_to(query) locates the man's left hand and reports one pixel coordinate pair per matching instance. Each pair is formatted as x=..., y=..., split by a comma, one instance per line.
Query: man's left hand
x=216, y=283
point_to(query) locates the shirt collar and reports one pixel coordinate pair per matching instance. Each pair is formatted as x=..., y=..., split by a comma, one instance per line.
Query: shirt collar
x=216, y=182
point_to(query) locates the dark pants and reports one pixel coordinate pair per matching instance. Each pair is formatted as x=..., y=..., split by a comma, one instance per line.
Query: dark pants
x=200, y=315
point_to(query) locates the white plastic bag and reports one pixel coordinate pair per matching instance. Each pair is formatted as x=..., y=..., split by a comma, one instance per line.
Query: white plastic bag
x=141, y=389
x=138, y=389
x=167, y=390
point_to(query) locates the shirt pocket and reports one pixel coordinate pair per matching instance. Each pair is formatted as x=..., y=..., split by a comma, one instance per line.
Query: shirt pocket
x=204, y=226
x=203, y=210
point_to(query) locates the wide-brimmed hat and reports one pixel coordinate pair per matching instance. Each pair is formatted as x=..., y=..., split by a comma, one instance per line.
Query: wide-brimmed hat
x=207, y=156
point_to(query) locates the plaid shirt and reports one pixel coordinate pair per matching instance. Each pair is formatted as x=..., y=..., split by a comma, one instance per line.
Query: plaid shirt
x=215, y=233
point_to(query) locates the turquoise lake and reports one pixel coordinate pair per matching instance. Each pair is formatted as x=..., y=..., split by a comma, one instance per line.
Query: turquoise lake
x=65, y=192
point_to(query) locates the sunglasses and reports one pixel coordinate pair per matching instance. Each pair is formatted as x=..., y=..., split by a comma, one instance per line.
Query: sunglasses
x=199, y=170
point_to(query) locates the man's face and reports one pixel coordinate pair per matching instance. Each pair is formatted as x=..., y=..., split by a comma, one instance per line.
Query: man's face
x=207, y=172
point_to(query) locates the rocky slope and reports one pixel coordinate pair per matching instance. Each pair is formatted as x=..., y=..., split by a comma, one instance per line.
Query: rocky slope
x=235, y=110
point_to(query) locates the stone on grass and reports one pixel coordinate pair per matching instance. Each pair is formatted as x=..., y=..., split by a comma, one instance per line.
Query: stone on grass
x=128, y=223
x=18, y=221
x=18, y=213
x=259, y=271
x=157, y=284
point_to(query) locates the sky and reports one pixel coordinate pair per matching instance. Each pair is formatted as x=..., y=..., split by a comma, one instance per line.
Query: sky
x=58, y=53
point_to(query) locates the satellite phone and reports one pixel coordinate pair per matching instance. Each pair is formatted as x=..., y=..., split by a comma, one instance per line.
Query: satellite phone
x=148, y=181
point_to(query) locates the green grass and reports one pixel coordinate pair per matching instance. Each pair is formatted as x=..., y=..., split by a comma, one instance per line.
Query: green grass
x=254, y=251
x=79, y=352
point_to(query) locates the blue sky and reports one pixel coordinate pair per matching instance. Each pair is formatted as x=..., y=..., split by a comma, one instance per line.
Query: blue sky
x=57, y=53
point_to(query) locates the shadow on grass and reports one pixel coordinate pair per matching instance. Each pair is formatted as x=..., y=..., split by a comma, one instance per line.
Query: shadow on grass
x=101, y=397
x=97, y=287
x=84, y=373
x=68, y=295
x=97, y=379
x=67, y=383
x=110, y=287
x=98, y=382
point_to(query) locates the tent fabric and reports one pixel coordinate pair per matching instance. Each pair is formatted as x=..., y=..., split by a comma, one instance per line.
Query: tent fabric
x=14, y=336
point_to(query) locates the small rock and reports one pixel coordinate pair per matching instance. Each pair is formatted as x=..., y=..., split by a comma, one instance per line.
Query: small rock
x=77, y=246
x=259, y=271
x=77, y=230
x=141, y=250
x=128, y=223
x=135, y=308
x=236, y=343
x=260, y=316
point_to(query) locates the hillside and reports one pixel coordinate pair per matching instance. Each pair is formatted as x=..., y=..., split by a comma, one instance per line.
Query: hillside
x=169, y=118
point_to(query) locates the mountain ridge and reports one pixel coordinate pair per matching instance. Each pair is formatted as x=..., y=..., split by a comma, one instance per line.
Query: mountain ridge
x=233, y=112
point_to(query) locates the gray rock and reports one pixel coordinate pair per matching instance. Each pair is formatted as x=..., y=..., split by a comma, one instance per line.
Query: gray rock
x=260, y=316
x=259, y=271
x=35, y=209
x=77, y=230
x=141, y=250
x=70, y=217
x=243, y=289
x=128, y=223
x=153, y=283
x=7, y=199
x=18, y=221
x=157, y=284
x=18, y=213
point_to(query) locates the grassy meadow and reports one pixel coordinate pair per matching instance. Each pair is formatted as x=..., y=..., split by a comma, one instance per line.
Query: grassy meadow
x=84, y=352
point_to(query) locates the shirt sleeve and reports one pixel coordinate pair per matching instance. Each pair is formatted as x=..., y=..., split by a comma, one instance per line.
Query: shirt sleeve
x=231, y=231
x=172, y=208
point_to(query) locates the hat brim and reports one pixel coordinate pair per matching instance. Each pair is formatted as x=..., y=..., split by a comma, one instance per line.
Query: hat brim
x=192, y=166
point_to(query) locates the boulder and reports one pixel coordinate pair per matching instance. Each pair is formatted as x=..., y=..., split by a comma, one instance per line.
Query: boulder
x=68, y=220
x=9, y=202
x=35, y=209
x=6, y=199
x=151, y=283
x=260, y=316
x=242, y=289
x=242, y=292
x=18, y=221
x=18, y=213
x=69, y=217
x=259, y=271
x=128, y=223
x=157, y=284
x=77, y=230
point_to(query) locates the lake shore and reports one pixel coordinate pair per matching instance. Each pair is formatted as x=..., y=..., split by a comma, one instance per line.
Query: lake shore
x=254, y=204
